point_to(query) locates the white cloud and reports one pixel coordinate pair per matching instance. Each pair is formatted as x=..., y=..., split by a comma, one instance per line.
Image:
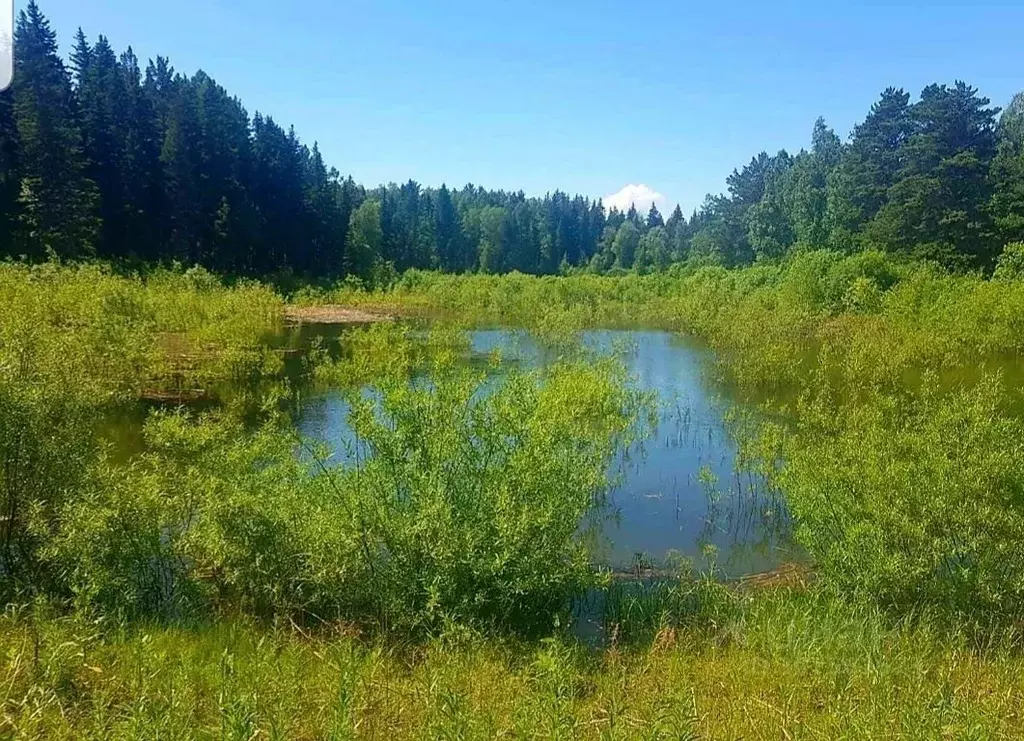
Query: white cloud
x=641, y=196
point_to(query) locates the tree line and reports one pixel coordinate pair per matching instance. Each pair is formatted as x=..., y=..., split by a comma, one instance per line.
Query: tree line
x=99, y=157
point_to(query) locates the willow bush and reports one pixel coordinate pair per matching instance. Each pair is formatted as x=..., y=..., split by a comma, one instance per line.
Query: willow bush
x=913, y=499
x=465, y=505
x=892, y=388
x=474, y=492
x=46, y=446
x=78, y=341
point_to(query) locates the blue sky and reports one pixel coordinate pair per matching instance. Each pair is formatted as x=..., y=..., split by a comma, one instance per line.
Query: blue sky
x=586, y=96
x=6, y=31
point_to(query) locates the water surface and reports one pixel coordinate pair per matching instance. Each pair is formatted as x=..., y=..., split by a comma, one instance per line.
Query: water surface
x=677, y=496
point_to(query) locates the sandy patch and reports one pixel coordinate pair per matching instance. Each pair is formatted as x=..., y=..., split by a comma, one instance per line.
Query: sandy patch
x=333, y=314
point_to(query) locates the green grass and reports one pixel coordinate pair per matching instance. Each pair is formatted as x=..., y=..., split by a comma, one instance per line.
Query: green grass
x=391, y=600
x=781, y=665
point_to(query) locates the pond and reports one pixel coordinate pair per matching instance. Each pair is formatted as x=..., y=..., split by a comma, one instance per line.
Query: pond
x=676, y=496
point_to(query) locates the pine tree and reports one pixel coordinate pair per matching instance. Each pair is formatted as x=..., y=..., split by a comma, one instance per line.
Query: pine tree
x=278, y=194
x=350, y=196
x=859, y=186
x=56, y=199
x=323, y=208
x=450, y=248
x=9, y=174
x=181, y=159
x=1007, y=175
x=720, y=234
x=615, y=218
x=675, y=219
x=632, y=216
x=225, y=167
x=747, y=186
x=140, y=169
x=769, y=225
x=595, y=228
x=103, y=121
x=654, y=217
x=937, y=205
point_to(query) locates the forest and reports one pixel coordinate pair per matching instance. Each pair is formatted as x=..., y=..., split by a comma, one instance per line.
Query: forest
x=286, y=456
x=99, y=158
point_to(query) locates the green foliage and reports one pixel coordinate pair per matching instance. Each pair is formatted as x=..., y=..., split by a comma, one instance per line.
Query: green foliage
x=56, y=198
x=165, y=166
x=626, y=243
x=654, y=251
x=775, y=664
x=365, y=239
x=473, y=496
x=1007, y=173
x=463, y=506
x=877, y=463
x=457, y=513
x=46, y=446
x=914, y=498
x=1010, y=265
x=886, y=373
x=77, y=342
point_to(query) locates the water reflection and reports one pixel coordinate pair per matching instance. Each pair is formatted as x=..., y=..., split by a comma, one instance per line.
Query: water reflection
x=677, y=495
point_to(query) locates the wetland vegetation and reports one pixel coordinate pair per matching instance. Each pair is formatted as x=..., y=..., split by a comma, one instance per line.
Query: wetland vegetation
x=238, y=569
x=282, y=456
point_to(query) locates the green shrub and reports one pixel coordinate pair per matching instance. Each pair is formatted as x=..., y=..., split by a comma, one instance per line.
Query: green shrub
x=1010, y=265
x=473, y=498
x=47, y=444
x=464, y=507
x=915, y=498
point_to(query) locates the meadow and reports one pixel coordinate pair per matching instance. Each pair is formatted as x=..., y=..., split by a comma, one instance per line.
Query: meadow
x=218, y=585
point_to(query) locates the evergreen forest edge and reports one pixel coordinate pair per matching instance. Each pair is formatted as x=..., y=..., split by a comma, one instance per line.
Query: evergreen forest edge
x=880, y=279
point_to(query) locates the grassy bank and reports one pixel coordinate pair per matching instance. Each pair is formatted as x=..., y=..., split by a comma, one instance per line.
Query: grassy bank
x=778, y=665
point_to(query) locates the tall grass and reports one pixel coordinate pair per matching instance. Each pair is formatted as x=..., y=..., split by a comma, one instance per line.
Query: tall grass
x=218, y=584
x=778, y=665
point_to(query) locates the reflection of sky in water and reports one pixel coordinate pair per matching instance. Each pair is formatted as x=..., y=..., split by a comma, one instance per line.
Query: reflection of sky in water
x=660, y=505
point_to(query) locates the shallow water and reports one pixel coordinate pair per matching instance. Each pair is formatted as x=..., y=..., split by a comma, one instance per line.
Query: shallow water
x=677, y=496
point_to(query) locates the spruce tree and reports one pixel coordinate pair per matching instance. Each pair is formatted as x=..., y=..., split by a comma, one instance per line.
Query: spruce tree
x=450, y=249
x=654, y=217
x=226, y=217
x=140, y=169
x=56, y=198
x=102, y=115
x=181, y=159
x=9, y=174
x=328, y=218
